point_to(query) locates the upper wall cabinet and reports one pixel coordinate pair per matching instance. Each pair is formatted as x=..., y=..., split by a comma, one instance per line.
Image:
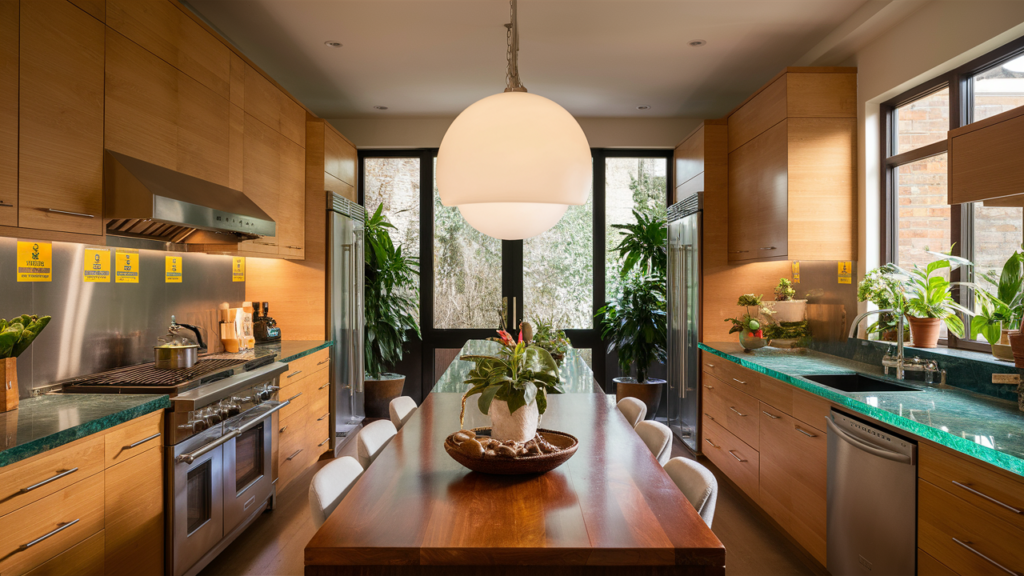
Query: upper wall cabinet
x=60, y=144
x=269, y=105
x=339, y=157
x=8, y=113
x=985, y=160
x=792, y=165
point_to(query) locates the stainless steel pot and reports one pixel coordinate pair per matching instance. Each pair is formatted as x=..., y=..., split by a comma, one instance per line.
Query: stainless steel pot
x=175, y=357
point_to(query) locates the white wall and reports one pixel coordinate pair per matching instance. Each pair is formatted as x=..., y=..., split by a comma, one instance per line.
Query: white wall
x=939, y=37
x=601, y=132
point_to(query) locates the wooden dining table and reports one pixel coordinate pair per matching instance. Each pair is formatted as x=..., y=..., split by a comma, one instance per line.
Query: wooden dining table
x=610, y=510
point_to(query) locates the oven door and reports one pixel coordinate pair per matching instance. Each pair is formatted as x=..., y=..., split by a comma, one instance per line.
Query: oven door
x=197, y=510
x=248, y=478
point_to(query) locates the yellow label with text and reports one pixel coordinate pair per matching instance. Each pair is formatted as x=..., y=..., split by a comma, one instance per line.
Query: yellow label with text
x=845, y=272
x=173, y=272
x=96, y=265
x=35, y=262
x=796, y=272
x=126, y=267
x=238, y=269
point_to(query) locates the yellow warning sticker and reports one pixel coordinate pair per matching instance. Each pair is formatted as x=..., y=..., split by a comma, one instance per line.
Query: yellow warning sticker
x=96, y=265
x=35, y=262
x=238, y=269
x=126, y=267
x=796, y=272
x=172, y=270
x=845, y=272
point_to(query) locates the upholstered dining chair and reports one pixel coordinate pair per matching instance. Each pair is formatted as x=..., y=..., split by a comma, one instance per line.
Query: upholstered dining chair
x=697, y=483
x=372, y=439
x=633, y=409
x=401, y=409
x=330, y=484
x=658, y=438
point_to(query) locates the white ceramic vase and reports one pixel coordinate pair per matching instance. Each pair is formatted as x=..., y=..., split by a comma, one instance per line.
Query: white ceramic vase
x=518, y=426
x=790, y=310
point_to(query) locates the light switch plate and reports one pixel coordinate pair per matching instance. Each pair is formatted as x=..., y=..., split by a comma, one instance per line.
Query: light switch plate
x=1006, y=379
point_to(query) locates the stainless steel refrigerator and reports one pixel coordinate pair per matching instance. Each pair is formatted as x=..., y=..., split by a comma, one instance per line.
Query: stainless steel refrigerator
x=345, y=245
x=684, y=304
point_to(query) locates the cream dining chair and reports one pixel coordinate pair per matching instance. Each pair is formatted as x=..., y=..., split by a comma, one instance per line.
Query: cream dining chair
x=633, y=409
x=658, y=438
x=697, y=483
x=372, y=439
x=401, y=410
x=330, y=484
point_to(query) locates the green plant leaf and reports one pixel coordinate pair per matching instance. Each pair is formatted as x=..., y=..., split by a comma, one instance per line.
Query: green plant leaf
x=486, y=397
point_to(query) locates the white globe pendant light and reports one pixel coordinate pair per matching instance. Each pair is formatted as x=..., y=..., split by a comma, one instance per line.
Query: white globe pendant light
x=514, y=162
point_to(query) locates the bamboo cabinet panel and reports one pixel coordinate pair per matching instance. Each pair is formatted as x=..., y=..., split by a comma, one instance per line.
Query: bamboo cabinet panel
x=8, y=113
x=758, y=197
x=291, y=224
x=60, y=152
x=984, y=159
x=261, y=179
x=133, y=493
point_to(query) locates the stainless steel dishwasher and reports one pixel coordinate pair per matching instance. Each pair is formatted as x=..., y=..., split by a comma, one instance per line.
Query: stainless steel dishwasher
x=872, y=500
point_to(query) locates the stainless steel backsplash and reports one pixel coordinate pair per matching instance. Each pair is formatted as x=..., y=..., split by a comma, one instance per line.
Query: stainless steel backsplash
x=99, y=326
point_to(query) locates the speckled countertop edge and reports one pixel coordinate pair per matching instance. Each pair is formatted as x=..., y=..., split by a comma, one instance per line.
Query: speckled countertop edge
x=995, y=457
x=68, y=435
x=314, y=346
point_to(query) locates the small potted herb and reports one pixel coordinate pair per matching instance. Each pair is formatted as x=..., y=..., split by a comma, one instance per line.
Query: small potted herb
x=15, y=337
x=751, y=326
x=786, y=308
x=547, y=337
x=930, y=300
x=881, y=288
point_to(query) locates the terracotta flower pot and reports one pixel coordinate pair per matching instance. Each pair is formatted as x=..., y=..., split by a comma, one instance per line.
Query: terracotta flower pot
x=518, y=426
x=924, y=332
x=1017, y=344
x=380, y=393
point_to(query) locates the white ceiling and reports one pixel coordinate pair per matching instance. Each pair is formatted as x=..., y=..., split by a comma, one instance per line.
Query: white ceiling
x=594, y=57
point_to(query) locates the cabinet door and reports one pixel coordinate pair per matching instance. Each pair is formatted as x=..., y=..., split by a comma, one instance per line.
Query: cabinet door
x=758, y=197
x=60, y=161
x=292, y=222
x=339, y=157
x=261, y=177
x=332, y=184
x=134, y=536
x=8, y=112
x=268, y=104
x=82, y=559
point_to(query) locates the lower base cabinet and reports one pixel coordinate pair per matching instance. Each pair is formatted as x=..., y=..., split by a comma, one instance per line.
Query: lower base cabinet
x=135, y=516
x=303, y=428
x=82, y=559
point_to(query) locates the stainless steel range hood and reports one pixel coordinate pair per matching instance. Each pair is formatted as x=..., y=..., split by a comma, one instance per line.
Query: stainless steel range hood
x=143, y=200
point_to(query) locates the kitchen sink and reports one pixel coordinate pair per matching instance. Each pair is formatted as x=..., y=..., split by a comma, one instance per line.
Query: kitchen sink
x=858, y=383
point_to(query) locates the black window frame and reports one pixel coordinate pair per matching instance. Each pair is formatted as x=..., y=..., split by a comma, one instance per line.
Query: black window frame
x=961, y=110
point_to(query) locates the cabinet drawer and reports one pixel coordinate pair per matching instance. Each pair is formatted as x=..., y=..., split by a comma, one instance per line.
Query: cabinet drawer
x=82, y=559
x=134, y=523
x=303, y=393
x=76, y=511
x=963, y=537
x=927, y=565
x=732, y=409
x=804, y=406
x=995, y=493
x=793, y=478
x=730, y=373
x=292, y=464
x=291, y=434
x=320, y=437
x=305, y=366
x=737, y=460
x=134, y=437
x=48, y=473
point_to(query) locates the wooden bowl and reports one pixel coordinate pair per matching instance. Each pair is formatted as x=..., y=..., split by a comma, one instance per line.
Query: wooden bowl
x=537, y=464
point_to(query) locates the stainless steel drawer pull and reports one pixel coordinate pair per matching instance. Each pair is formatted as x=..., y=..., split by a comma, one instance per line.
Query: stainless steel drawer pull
x=297, y=372
x=804, y=432
x=60, y=528
x=294, y=397
x=294, y=247
x=739, y=251
x=737, y=411
x=322, y=362
x=48, y=480
x=140, y=442
x=986, y=558
x=768, y=248
x=283, y=428
x=709, y=387
x=772, y=416
x=6, y=204
x=324, y=386
x=708, y=440
x=324, y=442
x=294, y=455
x=709, y=365
x=987, y=497
x=733, y=454
x=738, y=380
x=79, y=214
x=320, y=419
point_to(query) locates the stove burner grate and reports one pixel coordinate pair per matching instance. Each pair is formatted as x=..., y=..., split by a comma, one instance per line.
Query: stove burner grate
x=147, y=375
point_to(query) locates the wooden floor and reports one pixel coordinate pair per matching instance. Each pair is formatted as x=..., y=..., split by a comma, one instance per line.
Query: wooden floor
x=273, y=544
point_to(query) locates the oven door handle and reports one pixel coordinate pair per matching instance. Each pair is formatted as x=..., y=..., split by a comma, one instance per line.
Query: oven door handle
x=191, y=457
x=254, y=423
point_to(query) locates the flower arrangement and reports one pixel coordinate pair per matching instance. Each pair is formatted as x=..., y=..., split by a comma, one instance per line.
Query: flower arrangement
x=520, y=375
x=751, y=323
x=549, y=338
x=784, y=291
x=883, y=287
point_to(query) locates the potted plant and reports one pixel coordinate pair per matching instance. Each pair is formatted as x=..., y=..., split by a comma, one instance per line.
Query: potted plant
x=786, y=308
x=15, y=337
x=1000, y=312
x=751, y=326
x=549, y=338
x=881, y=288
x=635, y=321
x=513, y=387
x=929, y=300
x=391, y=292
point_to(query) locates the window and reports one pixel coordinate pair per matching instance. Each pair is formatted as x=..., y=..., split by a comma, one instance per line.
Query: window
x=914, y=212
x=630, y=184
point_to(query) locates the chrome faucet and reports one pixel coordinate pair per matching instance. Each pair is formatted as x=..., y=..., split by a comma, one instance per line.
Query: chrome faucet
x=899, y=361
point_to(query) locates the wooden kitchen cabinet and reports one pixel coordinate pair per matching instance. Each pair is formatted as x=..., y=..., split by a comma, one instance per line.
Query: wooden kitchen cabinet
x=268, y=104
x=984, y=160
x=303, y=426
x=134, y=515
x=689, y=165
x=340, y=156
x=792, y=164
x=82, y=559
x=60, y=144
x=8, y=113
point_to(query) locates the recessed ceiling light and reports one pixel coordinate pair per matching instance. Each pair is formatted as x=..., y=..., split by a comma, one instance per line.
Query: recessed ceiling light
x=333, y=44
x=643, y=107
x=698, y=43
x=380, y=107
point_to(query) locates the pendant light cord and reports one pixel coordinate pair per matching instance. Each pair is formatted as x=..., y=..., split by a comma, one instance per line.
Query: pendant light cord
x=512, y=81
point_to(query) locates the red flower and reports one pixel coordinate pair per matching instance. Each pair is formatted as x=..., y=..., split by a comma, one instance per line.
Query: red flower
x=758, y=334
x=506, y=339
x=520, y=336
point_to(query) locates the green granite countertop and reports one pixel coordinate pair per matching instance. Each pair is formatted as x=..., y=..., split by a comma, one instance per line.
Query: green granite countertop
x=979, y=426
x=576, y=377
x=291, y=350
x=45, y=422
